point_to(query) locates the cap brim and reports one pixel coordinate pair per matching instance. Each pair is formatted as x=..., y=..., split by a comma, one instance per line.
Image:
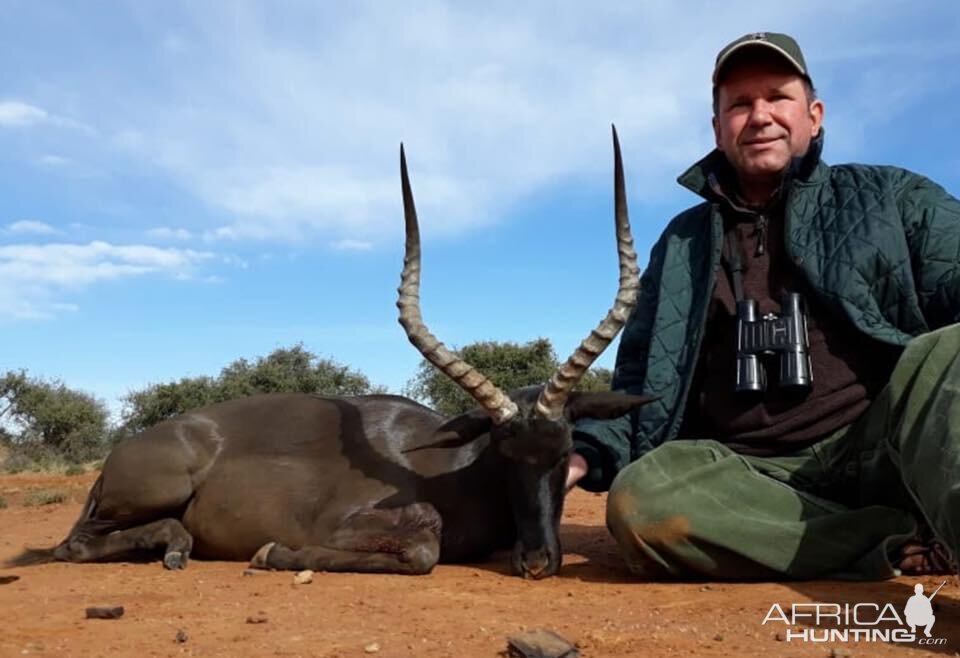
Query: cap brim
x=758, y=44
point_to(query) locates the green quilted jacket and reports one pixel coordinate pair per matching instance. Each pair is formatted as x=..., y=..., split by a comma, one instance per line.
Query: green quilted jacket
x=878, y=245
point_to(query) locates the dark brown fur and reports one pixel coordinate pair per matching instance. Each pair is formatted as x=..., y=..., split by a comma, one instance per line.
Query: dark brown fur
x=346, y=484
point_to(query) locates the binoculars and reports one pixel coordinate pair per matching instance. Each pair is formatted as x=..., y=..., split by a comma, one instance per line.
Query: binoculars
x=784, y=335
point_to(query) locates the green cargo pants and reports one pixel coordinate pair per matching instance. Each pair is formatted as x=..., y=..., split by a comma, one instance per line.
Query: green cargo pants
x=838, y=509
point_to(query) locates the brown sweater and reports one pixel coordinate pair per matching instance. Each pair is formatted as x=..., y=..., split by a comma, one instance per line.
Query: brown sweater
x=848, y=371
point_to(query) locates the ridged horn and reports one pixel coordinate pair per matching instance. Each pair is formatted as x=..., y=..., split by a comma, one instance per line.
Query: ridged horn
x=554, y=395
x=500, y=407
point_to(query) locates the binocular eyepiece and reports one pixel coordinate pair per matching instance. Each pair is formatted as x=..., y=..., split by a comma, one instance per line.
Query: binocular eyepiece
x=772, y=334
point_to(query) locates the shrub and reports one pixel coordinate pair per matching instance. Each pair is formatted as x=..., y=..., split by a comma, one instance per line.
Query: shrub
x=508, y=365
x=287, y=370
x=35, y=457
x=71, y=423
x=44, y=497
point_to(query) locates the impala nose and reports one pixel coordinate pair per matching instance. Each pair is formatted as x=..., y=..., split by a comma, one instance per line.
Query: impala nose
x=535, y=564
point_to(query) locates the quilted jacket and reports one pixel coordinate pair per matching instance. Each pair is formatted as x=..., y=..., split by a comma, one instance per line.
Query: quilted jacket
x=878, y=245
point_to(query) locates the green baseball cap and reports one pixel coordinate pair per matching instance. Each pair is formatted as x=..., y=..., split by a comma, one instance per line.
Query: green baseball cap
x=781, y=44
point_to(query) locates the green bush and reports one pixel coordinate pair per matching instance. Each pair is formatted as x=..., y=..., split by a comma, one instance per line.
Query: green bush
x=596, y=380
x=44, y=497
x=287, y=370
x=35, y=457
x=72, y=424
x=508, y=365
x=49, y=427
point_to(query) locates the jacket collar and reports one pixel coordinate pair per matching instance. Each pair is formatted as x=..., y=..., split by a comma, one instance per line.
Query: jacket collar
x=714, y=168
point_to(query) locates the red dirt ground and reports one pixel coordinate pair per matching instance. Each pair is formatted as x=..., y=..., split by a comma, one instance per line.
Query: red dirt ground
x=458, y=610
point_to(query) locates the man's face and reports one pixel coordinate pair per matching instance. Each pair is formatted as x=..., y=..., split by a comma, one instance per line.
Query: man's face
x=764, y=119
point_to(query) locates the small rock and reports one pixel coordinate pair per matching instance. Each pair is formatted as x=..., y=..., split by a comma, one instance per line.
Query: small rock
x=303, y=578
x=779, y=637
x=540, y=644
x=257, y=619
x=706, y=588
x=718, y=637
x=250, y=572
x=840, y=653
x=373, y=647
x=6, y=580
x=181, y=637
x=105, y=612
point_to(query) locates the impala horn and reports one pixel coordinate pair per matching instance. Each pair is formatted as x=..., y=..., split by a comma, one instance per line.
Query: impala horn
x=497, y=404
x=554, y=395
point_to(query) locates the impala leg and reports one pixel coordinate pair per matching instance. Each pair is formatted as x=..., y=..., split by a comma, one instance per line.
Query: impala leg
x=403, y=540
x=92, y=541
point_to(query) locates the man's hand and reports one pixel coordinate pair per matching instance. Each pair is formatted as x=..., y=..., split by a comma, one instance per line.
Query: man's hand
x=577, y=468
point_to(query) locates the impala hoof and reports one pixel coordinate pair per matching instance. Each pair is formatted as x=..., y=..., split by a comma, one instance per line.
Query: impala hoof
x=259, y=560
x=175, y=560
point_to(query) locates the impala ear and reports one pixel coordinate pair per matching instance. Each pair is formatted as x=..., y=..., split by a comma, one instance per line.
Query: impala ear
x=457, y=432
x=603, y=405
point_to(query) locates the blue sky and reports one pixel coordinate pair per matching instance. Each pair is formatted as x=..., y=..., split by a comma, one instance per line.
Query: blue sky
x=186, y=183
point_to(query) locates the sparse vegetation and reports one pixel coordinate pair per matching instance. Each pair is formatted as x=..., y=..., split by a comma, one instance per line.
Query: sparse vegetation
x=3, y=503
x=75, y=469
x=44, y=497
x=34, y=457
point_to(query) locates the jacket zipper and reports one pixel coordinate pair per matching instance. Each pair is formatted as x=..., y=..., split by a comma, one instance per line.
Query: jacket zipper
x=761, y=226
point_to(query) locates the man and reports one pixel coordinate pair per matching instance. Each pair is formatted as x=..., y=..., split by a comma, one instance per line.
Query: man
x=853, y=472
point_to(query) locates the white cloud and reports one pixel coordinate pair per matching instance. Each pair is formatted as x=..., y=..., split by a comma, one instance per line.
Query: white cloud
x=168, y=233
x=490, y=108
x=31, y=304
x=16, y=113
x=31, y=226
x=32, y=277
x=493, y=104
x=81, y=264
x=352, y=245
x=50, y=160
x=221, y=233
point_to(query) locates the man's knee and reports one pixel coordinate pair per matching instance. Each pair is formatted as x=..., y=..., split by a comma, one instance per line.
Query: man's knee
x=645, y=522
x=644, y=503
x=652, y=521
